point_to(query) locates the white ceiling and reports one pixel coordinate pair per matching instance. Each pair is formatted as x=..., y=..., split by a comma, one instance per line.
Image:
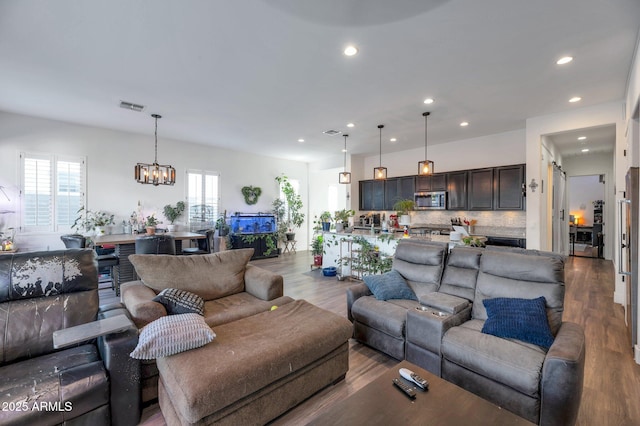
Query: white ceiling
x=257, y=75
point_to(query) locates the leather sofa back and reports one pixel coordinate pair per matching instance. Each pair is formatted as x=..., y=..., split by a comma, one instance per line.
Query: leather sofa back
x=517, y=275
x=461, y=274
x=421, y=264
x=41, y=292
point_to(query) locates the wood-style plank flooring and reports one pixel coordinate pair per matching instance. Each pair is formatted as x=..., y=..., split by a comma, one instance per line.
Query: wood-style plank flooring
x=611, y=394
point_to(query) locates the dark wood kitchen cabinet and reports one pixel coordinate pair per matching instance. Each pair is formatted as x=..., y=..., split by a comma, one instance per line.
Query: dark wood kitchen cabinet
x=457, y=190
x=398, y=189
x=480, y=194
x=436, y=182
x=371, y=194
x=508, y=188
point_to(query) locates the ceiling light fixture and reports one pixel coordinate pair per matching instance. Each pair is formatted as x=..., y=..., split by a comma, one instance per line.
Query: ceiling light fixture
x=300, y=140
x=581, y=138
x=564, y=60
x=575, y=99
x=380, y=172
x=350, y=50
x=344, y=177
x=155, y=174
x=585, y=150
x=393, y=140
x=429, y=101
x=464, y=124
x=351, y=125
x=425, y=167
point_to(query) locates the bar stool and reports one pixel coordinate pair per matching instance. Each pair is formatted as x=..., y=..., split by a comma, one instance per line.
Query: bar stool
x=204, y=244
x=105, y=261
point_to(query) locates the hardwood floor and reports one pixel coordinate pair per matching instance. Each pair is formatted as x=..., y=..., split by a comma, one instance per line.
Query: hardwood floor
x=612, y=378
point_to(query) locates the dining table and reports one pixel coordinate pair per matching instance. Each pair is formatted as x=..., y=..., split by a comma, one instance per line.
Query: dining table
x=125, y=245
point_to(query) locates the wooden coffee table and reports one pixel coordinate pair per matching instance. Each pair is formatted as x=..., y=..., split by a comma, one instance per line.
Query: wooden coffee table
x=381, y=403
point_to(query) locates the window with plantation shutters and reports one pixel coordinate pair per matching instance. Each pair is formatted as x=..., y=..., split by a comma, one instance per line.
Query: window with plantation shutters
x=202, y=198
x=52, y=191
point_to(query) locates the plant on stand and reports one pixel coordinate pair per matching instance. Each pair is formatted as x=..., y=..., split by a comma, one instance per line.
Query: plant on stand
x=172, y=213
x=317, y=250
x=289, y=210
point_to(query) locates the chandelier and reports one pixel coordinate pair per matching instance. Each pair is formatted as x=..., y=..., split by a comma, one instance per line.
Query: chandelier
x=425, y=167
x=344, y=176
x=380, y=172
x=155, y=174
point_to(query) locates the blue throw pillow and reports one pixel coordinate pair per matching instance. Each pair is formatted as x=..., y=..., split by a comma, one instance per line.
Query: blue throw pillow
x=521, y=319
x=390, y=285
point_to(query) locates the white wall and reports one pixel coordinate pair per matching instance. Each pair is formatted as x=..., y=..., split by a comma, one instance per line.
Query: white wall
x=111, y=156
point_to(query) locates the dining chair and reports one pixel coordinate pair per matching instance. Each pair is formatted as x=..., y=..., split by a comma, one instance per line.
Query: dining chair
x=205, y=245
x=156, y=244
x=105, y=261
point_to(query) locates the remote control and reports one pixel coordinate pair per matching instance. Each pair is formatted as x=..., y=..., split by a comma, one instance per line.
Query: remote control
x=413, y=377
x=408, y=390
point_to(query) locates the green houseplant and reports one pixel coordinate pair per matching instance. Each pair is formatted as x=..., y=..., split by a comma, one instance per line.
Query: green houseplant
x=403, y=207
x=317, y=250
x=291, y=209
x=342, y=219
x=90, y=221
x=172, y=213
x=325, y=220
x=150, y=224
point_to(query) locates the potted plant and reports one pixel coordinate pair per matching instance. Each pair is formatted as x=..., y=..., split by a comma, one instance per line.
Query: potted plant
x=92, y=222
x=293, y=216
x=403, y=207
x=172, y=213
x=317, y=250
x=221, y=225
x=150, y=224
x=325, y=219
x=342, y=219
x=281, y=225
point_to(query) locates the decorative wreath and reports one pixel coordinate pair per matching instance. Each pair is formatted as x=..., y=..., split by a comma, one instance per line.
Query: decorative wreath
x=251, y=194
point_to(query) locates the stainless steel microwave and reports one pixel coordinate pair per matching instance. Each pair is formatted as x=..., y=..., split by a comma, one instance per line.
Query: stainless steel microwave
x=431, y=200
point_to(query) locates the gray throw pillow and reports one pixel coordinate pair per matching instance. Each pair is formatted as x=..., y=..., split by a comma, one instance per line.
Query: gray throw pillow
x=180, y=301
x=171, y=335
x=390, y=285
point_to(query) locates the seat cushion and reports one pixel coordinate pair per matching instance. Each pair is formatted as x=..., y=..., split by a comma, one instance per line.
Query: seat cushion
x=386, y=316
x=511, y=362
x=74, y=379
x=238, y=306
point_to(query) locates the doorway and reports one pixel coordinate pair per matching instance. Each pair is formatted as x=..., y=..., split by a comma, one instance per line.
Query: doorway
x=586, y=215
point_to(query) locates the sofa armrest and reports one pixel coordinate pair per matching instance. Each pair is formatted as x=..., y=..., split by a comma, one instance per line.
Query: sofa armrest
x=262, y=283
x=138, y=299
x=354, y=293
x=563, y=376
x=124, y=371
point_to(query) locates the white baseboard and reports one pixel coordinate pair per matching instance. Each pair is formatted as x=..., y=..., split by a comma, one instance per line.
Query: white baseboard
x=637, y=354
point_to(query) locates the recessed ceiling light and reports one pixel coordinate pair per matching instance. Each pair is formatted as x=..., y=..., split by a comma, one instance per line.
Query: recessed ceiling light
x=564, y=60
x=351, y=125
x=350, y=50
x=585, y=150
x=344, y=150
x=581, y=138
x=464, y=124
x=575, y=99
x=429, y=101
x=393, y=140
x=300, y=140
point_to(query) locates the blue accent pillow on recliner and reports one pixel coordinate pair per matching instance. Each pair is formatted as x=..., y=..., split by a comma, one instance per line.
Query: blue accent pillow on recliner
x=521, y=319
x=390, y=285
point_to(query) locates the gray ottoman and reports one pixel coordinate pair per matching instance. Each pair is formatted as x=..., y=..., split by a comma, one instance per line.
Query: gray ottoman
x=257, y=367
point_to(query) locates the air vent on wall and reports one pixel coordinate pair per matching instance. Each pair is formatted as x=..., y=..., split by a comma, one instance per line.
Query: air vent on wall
x=131, y=106
x=331, y=132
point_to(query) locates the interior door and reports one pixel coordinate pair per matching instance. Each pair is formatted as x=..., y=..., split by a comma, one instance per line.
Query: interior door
x=559, y=223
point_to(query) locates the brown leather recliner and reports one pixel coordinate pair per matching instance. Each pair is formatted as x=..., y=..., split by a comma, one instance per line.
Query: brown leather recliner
x=93, y=382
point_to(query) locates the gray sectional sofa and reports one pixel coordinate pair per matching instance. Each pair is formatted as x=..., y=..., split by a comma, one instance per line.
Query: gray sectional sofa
x=443, y=331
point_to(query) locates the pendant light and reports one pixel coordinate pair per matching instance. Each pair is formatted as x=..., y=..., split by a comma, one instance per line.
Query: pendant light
x=344, y=176
x=155, y=174
x=425, y=167
x=380, y=172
